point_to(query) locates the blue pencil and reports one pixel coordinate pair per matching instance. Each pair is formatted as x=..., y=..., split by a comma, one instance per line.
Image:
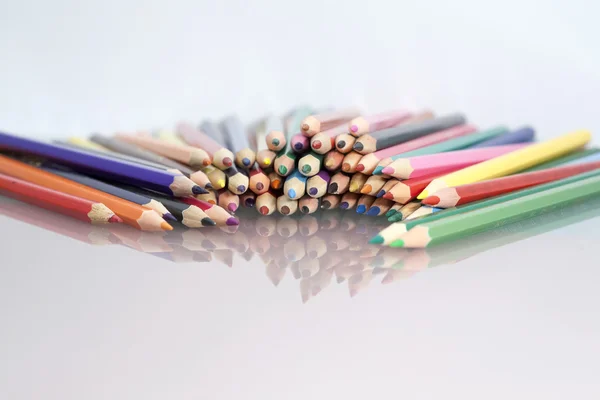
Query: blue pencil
x=525, y=134
x=295, y=185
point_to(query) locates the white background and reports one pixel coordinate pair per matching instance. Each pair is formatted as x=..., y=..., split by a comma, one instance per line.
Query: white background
x=71, y=67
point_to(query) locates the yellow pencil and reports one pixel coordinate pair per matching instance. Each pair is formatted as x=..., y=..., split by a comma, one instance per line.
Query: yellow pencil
x=511, y=163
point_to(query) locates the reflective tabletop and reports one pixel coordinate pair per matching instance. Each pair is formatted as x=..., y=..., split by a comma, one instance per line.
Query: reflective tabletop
x=297, y=308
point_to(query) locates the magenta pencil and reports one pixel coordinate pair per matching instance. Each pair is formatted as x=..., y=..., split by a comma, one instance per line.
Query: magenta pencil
x=300, y=143
x=371, y=123
x=416, y=167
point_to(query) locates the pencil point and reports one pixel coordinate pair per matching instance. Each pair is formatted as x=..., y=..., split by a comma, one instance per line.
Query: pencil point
x=366, y=189
x=344, y=205
x=260, y=186
x=199, y=190
x=424, y=194
x=275, y=184
x=228, y=162
x=305, y=210
x=298, y=146
x=232, y=207
x=275, y=142
x=373, y=211
x=354, y=128
x=246, y=161
x=267, y=161
x=249, y=202
x=377, y=170
x=313, y=191
x=206, y=162
x=346, y=167
x=431, y=201
x=341, y=144
x=388, y=171
x=232, y=221
x=360, y=168
x=208, y=186
x=316, y=144
x=165, y=226
x=361, y=209
x=292, y=194
x=397, y=243
x=306, y=168
x=325, y=204
x=282, y=169
x=241, y=188
x=169, y=217
x=377, y=239
x=390, y=213
x=388, y=196
x=208, y=222
x=305, y=127
x=358, y=146
x=221, y=183
x=285, y=210
x=333, y=188
x=380, y=194
x=115, y=219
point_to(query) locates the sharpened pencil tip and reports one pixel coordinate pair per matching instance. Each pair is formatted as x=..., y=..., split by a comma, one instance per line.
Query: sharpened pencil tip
x=209, y=186
x=275, y=142
x=316, y=144
x=232, y=207
x=390, y=213
x=206, y=162
x=326, y=204
x=354, y=128
x=199, y=190
x=250, y=202
x=341, y=144
x=169, y=217
x=377, y=170
x=282, y=169
x=298, y=146
x=260, y=186
x=305, y=209
x=388, y=171
x=305, y=127
x=344, y=205
x=267, y=161
x=221, y=183
x=275, y=184
x=360, y=168
x=424, y=194
x=313, y=191
x=361, y=209
x=208, y=222
x=377, y=239
x=165, y=226
x=397, y=243
x=115, y=219
x=366, y=189
x=232, y=221
x=431, y=200
x=388, y=196
x=346, y=167
x=306, y=168
x=264, y=210
x=292, y=194
x=333, y=188
x=285, y=210
x=246, y=161
x=373, y=211
x=380, y=194
x=358, y=146
x=228, y=162
x=241, y=188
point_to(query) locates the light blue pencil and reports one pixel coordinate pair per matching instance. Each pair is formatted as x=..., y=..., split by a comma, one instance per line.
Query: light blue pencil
x=295, y=185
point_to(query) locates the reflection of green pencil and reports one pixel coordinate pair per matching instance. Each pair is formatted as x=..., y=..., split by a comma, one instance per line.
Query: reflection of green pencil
x=467, y=224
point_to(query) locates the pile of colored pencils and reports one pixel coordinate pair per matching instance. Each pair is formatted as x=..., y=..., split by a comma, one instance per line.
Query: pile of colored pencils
x=436, y=177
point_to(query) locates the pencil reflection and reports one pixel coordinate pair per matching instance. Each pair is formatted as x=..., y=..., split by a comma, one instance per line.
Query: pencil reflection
x=314, y=250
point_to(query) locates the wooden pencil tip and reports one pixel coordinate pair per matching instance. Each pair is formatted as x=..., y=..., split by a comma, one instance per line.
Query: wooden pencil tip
x=115, y=219
x=165, y=226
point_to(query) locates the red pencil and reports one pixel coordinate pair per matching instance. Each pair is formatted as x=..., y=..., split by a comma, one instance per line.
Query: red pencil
x=405, y=191
x=75, y=207
x=464, y=194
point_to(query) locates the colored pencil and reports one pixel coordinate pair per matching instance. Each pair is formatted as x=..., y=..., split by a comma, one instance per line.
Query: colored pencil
x=299, y=144
x=344, y=142
x=416, y=167
x=324, y=141
x=379, y=207
x=330, y=201
x=138, y=154
x=364, y=202
x=376, y=122
x=525, y=134
x=189, y=215
x=512, y=162
x=309, y=205
x=373, y=185
x=389, y=185
x=222, y=157
x=339, y=183
x=310, y=164
x=407, y=210
x=248, y=199
x=333, y=161
x=369, y=162
x=259, y=181
x=586, y=159
x=394, y=231
x=464, y=194
x=217, y=177
x=466, y=224
x=405, y=191
x=192, y=156
x=132, y=214
x=86, y=144
x=316, y=186
x=111, y=189
x=351, y=161
x=320, y=122
x=236, y=140
x=215, y=212
x=210, y=197
x=168, y=135
x=357, y=181
x=422, y=211
x=266, y=203
x=285, y=162
x=394, y=209
x=155, y=179
x=578, y=156
x=403, y=133
x=458, y=143
x=275, y=139
x=276, y=181
x=237, y=182
x=227, y=200
x=72, y=206
x=264, y=156
x=349, y=200
x=286, y=206
x=295, y=186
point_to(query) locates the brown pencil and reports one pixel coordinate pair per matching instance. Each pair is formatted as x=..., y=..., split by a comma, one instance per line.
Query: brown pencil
x=286, y=206
x=339, y=183
x=330, y=201
x=308, y=205
x=350, y=162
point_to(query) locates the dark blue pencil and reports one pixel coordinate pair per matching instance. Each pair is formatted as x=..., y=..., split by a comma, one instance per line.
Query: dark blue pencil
x=525, y=134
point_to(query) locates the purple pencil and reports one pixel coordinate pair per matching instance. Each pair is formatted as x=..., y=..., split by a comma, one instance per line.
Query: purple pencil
x=316, y=186
x=171, y=183
x=522, y=135
x=300, y=143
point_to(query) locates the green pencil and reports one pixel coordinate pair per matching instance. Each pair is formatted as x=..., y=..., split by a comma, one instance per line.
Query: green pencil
x=396, y=230
x=467, y=224
x=310, y=163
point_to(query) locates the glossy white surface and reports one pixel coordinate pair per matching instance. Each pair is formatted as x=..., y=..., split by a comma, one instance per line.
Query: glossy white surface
x=107, y=321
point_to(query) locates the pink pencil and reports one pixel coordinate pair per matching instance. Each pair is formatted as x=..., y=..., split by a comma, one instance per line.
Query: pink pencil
x=369, y=162
x=415, y=167
x=300, y=143
x=376, y=122
x=323, y=142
